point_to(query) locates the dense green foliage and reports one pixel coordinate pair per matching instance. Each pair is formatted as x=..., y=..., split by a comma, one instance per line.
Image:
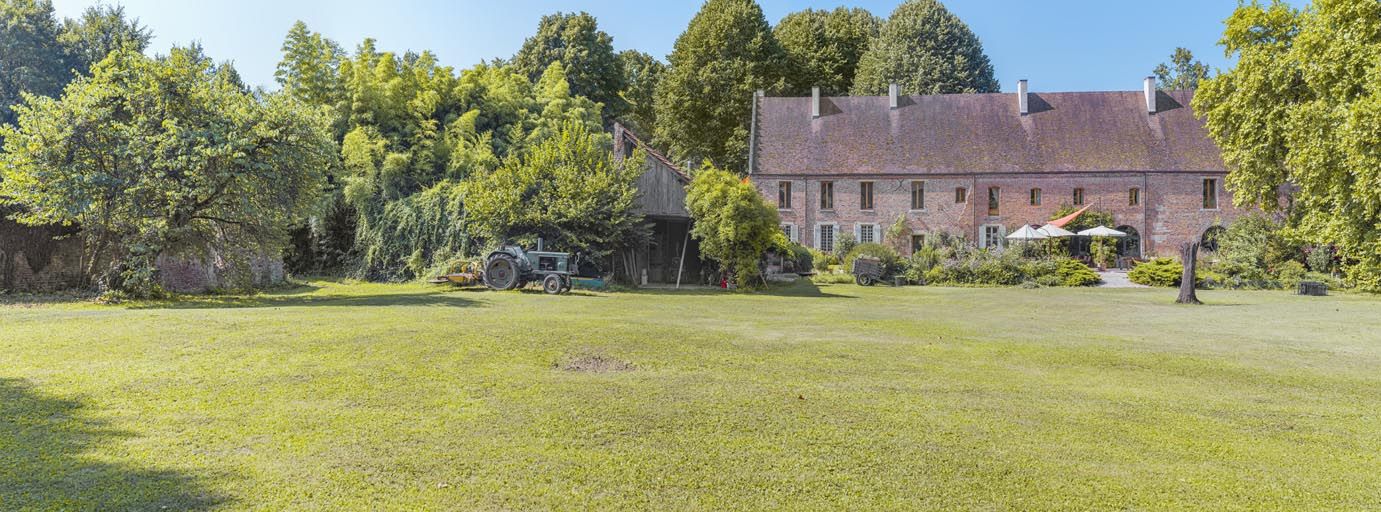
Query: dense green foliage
x=823, y=47
x=411, y=131
x=641, y=74
x=585, y=51
x=150, y=156
x=1074, y=273
x=734, y=225
x=704, y=100
x=1183, y=73
x=1159, y=272
x=925, y=49
x=1301, y=108
x=39, y=56
x=568, y=190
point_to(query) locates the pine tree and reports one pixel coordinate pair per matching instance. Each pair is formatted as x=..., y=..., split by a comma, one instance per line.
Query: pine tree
x=925, y=49
x=704, y=102
x=100, y=30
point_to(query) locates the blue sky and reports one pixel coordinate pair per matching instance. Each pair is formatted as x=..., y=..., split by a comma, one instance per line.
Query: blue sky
x=1060, y=45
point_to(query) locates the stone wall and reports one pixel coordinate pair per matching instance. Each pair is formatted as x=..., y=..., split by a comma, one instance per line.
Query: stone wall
x=219, y=270
x=33, y=259
x=1169, y=210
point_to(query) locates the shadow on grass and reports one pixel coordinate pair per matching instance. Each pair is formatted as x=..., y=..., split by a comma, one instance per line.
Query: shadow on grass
x=44, y=465
x=304, y=297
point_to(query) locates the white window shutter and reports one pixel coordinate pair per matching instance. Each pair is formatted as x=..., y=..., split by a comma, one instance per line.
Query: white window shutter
x=817, y=237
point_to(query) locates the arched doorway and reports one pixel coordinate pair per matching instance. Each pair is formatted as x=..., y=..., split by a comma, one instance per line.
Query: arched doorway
x=1209, y=240
x=1129, y=246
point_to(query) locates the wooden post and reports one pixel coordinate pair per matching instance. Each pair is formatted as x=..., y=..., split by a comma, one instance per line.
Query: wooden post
x=1189, y=255
x=681, y=265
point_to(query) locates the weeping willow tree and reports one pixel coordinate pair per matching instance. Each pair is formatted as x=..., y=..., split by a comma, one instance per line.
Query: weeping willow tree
x=411, y=132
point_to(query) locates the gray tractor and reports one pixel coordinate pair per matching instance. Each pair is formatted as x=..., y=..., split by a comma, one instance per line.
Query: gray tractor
x=511, y=267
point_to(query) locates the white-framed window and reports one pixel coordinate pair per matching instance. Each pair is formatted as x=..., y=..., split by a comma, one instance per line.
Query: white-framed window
x=791, y=233
x=867, y=233
x=993, y=236
x=824, y=236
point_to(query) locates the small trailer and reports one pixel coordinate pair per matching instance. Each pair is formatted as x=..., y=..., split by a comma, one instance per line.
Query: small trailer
x=867, y=270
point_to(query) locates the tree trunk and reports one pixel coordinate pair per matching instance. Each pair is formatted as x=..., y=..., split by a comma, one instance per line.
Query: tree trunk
x=1189, y=255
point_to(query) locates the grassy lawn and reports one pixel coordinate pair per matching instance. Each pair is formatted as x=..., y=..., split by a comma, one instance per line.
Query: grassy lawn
x=367, y=396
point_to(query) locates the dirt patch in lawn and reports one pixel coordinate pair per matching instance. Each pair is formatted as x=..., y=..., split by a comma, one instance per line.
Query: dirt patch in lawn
x=588, y=363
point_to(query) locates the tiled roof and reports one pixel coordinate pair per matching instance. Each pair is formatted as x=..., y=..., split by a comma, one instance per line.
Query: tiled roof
x=983, y=133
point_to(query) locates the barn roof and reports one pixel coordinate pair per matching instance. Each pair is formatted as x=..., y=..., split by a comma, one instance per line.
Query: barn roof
x=983, y=133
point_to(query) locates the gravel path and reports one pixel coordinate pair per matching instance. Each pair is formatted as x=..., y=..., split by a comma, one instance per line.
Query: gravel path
x=1117, y=279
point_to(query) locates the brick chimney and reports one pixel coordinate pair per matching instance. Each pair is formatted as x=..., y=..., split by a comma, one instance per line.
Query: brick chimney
x=1023, y=103
x=1149, y=86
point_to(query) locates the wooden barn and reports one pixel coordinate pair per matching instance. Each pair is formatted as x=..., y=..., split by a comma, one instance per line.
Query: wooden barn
x=670, y=253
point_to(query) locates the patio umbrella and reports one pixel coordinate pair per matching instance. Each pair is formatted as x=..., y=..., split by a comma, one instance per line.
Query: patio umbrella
x=1026, y=233
x=1053, y=231
x=1102, y=231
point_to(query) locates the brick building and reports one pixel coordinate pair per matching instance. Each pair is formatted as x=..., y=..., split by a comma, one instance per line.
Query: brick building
x=981, y=165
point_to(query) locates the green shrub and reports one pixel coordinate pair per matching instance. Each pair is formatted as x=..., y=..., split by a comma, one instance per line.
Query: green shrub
x=1049, y=280
x=844, y=245
x=1034, y=269
x=1290, y=273
x=802, y=258
x=888, y=256
x=821, y=261
x=1073, y=273
x=1320, y=259
x=1160, y=272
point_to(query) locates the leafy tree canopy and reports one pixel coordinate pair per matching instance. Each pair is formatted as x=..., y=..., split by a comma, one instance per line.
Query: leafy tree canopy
x=587, y=53
x=705, y=99
x=31, y=59
x=925, y=49
x=310, y=69
x=733, y=223
x=568, y=190
x=823, y=47
x=1183, y=73
x=641, y=73
x=154, y=155
x=1300, y=109
x=101, y=29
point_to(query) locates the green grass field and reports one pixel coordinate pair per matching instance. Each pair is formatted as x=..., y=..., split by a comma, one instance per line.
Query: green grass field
x=343, y=396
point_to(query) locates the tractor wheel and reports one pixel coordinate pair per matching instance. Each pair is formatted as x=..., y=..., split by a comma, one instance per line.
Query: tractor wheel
x=501, y=272
x=864, y=280
x=565, y=284
x=552, y=284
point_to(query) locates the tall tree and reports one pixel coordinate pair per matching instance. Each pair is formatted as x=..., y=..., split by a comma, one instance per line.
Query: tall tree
x=1183, y=73
x=568, y=189
x=641, y=73
x=575, y=40
x=823, y=47
x=158, y=155
x=101, y=29
x=310, y=69
x=705, y=99
x=32, y=60
x=1300, y=109
x=733, y=223
x=925, y=49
